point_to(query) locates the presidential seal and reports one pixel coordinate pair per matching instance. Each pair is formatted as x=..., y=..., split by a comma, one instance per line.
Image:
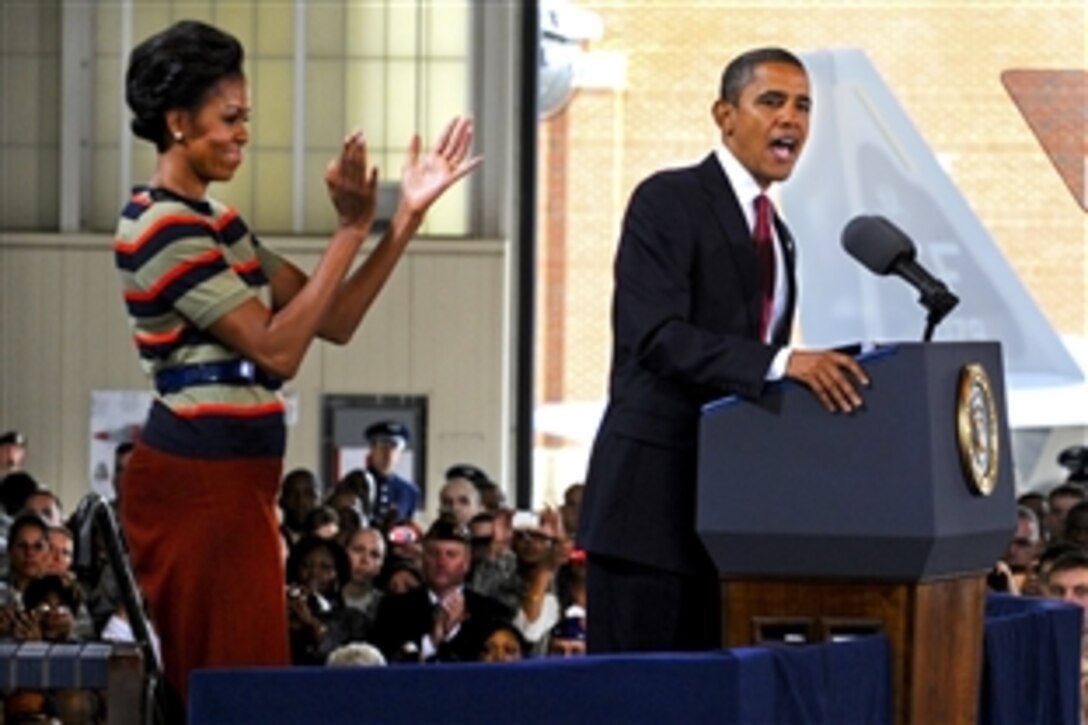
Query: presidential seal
x=977, y=429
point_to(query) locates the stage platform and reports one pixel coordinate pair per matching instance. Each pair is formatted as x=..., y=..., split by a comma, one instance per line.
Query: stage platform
x=1031, y=674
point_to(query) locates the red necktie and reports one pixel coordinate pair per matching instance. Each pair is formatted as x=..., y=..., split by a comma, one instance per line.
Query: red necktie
x=764, y=240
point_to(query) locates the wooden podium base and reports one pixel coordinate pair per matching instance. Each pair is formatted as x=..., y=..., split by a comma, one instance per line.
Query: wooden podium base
x=935, y=630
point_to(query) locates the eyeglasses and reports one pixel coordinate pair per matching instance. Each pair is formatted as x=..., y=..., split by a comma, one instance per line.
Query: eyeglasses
x=31, y=545
x=1021, y=542
x=46, y=608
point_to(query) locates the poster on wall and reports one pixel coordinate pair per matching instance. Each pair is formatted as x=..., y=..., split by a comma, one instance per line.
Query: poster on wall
x=345, y=418
x=116, y=418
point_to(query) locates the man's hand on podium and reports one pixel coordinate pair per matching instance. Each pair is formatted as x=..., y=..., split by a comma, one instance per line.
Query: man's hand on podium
x=832, y=376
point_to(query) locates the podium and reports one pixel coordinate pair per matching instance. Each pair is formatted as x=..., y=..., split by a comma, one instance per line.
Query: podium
x=831, y=526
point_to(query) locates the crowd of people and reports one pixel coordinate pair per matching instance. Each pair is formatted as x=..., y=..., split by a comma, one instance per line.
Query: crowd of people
x=364, y=583
x=1048, y=553
x=478, y=582
x=367, y=585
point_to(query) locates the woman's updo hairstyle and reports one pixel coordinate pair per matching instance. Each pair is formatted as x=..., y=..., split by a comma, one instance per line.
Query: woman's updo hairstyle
x=176, y=69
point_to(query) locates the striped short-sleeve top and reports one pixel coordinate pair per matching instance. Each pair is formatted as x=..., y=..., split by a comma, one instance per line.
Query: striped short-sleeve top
x=184, y=263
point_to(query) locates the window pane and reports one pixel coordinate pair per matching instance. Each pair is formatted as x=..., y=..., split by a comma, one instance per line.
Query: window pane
x=402, y=29
x=325, y=103
x=325, y=24
x=272, y=95
x=29, y=105
x=389, y=67
x=275, y=29
x=366, y=101
x=318, y=214
x=271, y=210
x=366, y=29
x=106, y=201
x=447, y=29
x=240, y=20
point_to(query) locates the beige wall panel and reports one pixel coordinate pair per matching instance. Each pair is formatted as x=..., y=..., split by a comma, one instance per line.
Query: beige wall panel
x=457, y=358
x=304, y=432
x=436, y=330
x=97, y=353
x=375, y=361
x=30, y=353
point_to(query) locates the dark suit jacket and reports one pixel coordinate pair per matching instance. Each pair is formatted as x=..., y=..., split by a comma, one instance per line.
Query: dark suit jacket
x=408, y=617
x=685, y=322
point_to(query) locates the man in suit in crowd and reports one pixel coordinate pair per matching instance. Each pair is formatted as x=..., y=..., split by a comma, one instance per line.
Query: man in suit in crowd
x=704, y=301
x=393, y=497
x=443, y=620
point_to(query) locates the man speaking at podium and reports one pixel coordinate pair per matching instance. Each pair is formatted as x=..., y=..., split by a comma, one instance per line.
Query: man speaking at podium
x=704, y=299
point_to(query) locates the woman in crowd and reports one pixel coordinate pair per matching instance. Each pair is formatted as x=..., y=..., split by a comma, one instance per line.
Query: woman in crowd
x=504, y=643
x=318, y=620
x=219, y=320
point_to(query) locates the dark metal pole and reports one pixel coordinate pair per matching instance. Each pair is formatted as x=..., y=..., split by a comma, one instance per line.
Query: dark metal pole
x=525, y=331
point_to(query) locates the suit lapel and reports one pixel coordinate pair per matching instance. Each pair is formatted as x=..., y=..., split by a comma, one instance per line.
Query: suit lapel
x=734, y=230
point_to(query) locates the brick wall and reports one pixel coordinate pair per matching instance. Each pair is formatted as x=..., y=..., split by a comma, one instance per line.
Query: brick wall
x=943, y=60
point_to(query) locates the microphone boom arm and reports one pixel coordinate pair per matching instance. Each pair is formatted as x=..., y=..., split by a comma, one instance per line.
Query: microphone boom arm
x=933, y=294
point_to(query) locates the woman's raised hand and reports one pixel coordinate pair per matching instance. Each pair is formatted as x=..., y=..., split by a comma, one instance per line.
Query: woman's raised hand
x=426, y=177
x=353, y=186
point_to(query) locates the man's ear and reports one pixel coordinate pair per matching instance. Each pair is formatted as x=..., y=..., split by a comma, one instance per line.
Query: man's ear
x=722, y=111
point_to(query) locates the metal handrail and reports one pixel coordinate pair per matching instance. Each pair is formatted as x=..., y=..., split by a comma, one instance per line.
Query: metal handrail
x=94, y=514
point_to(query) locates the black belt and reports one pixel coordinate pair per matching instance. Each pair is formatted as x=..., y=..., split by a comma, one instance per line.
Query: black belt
x=229, y=372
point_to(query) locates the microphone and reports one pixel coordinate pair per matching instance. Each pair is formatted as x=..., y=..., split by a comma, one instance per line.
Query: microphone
x=884, y=249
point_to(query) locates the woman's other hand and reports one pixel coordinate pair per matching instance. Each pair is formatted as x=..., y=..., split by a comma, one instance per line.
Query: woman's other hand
x=426, y=177
x=353, y=186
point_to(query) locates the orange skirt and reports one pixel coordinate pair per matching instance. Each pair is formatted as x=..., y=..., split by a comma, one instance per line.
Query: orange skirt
x=205, y=547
